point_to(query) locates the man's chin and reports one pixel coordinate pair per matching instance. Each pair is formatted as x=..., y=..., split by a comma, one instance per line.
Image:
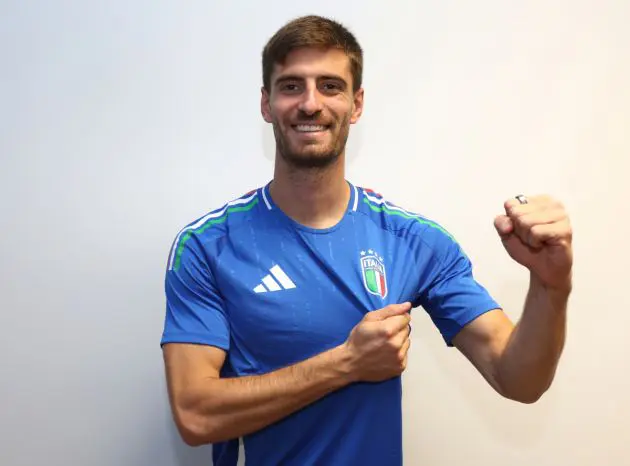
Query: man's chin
x=311, y=159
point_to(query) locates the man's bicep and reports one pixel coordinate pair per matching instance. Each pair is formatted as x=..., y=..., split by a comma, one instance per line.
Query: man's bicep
x=186, y=361
x=187, y=364
x=196, y=333
x=483, y=341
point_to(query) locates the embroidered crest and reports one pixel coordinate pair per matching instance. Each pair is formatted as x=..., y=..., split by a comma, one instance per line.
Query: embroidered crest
x=373, y=271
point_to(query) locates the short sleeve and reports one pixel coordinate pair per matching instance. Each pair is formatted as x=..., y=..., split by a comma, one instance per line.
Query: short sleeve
x=453, y=297
x=195, y=310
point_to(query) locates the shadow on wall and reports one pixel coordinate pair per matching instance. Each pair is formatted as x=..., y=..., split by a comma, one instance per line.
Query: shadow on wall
x=353, y=146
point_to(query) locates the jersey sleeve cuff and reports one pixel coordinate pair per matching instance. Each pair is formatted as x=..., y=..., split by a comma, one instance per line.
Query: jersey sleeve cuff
x=464, y=320
x=196, y=339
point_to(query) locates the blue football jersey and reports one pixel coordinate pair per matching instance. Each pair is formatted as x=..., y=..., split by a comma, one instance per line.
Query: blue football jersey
x=271, y=292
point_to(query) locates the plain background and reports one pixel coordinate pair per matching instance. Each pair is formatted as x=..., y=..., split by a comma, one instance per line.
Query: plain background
x=122, y=121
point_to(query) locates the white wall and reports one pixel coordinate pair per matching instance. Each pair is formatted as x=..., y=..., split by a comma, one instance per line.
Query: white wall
x=120, y=123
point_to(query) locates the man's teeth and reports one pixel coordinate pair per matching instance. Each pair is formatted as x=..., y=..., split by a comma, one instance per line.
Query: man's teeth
x=310, y=128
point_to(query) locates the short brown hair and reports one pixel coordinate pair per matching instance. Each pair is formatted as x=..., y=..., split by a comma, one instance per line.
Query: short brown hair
x=312, y=31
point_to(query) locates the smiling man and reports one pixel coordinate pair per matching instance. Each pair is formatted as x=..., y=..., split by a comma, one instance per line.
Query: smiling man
x=288, y=309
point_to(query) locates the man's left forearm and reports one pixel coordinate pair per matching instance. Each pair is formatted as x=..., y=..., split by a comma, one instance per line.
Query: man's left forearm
x=528, y=363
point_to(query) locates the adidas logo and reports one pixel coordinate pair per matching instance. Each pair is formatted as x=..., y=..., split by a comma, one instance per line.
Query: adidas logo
x=279, y=281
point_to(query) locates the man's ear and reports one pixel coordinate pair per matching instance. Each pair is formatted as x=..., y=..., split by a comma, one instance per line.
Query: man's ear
x=265, y=108
x=358, y=106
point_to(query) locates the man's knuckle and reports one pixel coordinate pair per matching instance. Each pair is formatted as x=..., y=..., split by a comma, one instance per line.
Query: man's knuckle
x=522, y=224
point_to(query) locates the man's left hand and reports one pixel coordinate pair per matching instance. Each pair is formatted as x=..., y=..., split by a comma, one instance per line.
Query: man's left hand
x=538, y=235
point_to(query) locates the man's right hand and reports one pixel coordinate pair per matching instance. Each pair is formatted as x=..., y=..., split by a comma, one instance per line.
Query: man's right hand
x=378, y=344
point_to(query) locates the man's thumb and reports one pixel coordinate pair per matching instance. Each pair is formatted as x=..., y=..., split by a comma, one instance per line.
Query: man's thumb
x=389, y=311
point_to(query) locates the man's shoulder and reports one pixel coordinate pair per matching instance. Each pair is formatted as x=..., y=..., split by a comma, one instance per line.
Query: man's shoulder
x=218, y=219
x=214, y=224
x=394, y=217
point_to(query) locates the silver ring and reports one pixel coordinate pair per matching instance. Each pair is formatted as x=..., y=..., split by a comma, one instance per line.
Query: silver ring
x=521, y=198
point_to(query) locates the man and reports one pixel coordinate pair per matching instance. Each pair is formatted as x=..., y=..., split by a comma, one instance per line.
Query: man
x=287, y=319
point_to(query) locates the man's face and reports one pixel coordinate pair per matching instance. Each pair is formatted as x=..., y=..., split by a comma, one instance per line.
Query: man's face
x=311, y=105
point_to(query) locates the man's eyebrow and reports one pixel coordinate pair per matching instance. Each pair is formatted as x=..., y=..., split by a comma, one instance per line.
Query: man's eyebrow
x=290, y=77
x=334, y=77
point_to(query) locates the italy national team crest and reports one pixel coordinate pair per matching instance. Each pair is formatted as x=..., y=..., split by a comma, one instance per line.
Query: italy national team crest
x=373, y=271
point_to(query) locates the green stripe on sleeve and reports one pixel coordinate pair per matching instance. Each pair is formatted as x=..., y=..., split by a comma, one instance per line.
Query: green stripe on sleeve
x=384, y=208
x=208, y=224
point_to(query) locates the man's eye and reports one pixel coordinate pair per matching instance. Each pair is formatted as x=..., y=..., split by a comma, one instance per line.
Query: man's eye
x=332, y=86
x=290, y=87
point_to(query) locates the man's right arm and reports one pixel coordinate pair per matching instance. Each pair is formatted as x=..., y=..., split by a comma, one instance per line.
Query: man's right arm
x=210, y=409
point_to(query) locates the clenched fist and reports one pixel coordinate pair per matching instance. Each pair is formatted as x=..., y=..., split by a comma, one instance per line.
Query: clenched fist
x=537, y=234
x=378, y=344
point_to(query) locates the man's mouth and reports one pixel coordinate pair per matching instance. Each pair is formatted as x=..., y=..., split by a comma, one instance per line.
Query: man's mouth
x=310, y=128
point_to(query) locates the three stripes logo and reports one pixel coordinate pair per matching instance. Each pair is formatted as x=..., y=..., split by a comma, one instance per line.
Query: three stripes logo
x=277, y=280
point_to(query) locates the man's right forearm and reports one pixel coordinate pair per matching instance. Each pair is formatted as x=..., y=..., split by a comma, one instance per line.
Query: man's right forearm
x=218, y=409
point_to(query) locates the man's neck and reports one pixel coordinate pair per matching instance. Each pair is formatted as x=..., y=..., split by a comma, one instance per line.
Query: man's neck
x=316, y=198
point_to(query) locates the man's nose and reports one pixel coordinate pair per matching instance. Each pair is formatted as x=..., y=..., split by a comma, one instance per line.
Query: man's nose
x=311, y=101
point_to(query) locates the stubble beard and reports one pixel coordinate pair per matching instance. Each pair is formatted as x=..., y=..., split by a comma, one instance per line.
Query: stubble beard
x=307, y=157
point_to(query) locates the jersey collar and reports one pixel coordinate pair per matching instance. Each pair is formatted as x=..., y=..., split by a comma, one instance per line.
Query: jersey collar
x=353, y=203
x=269, y=205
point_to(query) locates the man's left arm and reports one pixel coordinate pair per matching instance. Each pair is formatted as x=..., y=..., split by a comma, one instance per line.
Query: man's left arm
x=520, y=360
